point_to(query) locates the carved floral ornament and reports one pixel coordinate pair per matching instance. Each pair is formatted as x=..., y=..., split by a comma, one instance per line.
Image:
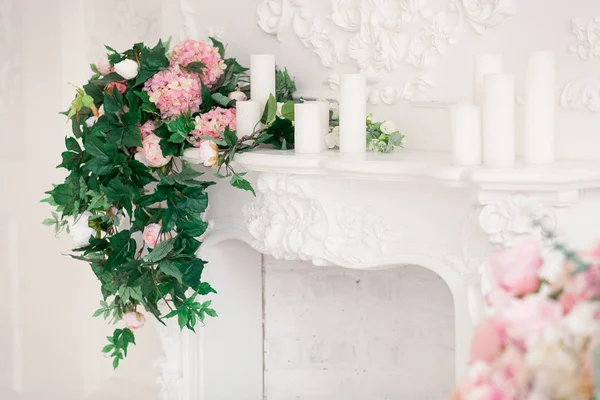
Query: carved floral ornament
x=380, y=37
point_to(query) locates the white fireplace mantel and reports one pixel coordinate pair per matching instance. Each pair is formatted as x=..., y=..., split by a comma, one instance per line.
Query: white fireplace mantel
x=370, y=211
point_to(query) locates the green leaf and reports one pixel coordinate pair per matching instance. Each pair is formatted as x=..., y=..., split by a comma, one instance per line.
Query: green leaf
x=221, y=100
x=161, y=251
x=169, y=219
x=132, y=136
x=168, y=267
x=270, y=111
x=204, y=288
x=72, y=144
x=132, y=117
x=196, y=67
x=287, y=111
x=230, y=137
x=192, y=271
x=239, y=182
x=219, y=46
x=285, y=85
x=113, y=102
x=207, y=100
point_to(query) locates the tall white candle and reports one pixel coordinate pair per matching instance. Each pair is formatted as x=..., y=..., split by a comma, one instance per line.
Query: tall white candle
x=498, y=113
x=262, y=77
x=540, y=108
x=466, y=134
x=484, y=64
x=353, y=113
x=248, y=114
x=308, y=125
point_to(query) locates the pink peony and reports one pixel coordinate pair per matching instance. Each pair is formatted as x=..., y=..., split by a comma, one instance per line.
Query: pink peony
x=103, y=65
x=214, y=122
x=488, y=341
x=150, y=154
x=238, y=95
x=527, y=319
x=190, y=51
x=152, y=235
x=147, y=129
x=134, y=320
x=516, y=270
x=174, y=91
x=209, y=153
x=121, y=87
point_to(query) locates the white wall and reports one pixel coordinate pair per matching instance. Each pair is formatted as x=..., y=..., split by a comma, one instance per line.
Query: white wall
x=49, y=345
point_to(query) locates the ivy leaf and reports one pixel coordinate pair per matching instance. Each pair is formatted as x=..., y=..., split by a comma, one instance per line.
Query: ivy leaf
x=132, y=117
x=239, y=182
x=287, y=111
x=132, y=136
x=270, y=110
x=169, y=219
x=72, y=144
x=230, y=137
x=161, y=251
x=167, y=267
x=204, y=288
x=285, y=85
x=192, y=271
x=113, y=102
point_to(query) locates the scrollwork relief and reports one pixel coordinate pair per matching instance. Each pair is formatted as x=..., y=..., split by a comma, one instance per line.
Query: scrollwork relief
x=582, y=94
x=507, y=220
x=587, y=45
x=380, y=37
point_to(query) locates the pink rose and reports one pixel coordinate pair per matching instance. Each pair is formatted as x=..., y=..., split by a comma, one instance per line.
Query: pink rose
x=238, y=95
x=488, y=341
x=103, y=65
x=209, y=153
x=526, y=319
x=147, y=129
x=487, y=392
x=152, y=235
x=516, y=270
x=121, y=87
x=150, y=154
x=134, y=320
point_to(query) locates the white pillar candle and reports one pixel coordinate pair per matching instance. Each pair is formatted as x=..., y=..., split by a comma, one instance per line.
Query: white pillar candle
x=466, y=134
x=498, y=114
x=484, y=64
x=308, y=126
x=353, y=113
x=262, y=77
x=540, y=108
x=248, y=114
x=324, y=130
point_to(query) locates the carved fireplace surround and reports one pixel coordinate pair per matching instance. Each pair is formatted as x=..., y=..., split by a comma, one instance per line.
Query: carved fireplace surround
x=361, y=212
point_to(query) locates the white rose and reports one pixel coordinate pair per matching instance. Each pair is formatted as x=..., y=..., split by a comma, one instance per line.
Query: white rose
x=134, y=320
x=238, y=95
x=103, y=65
x=91, y=121
x=101, y=110
x=335, y=112
x=388, y=127
x=80, y=231
x=209, y=153
x=333, y=138
x=150, y=154
x=128, y=69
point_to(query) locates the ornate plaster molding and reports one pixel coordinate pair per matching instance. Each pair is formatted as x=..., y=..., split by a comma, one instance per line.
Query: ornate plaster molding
x=507, y=220
x=587, y=34
x=380, y=37
x=582, y=94
x=170, y=379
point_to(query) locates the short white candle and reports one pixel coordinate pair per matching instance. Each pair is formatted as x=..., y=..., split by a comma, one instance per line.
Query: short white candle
x=353, y=113
x=324, y=120
x=248, y=114
x=498, y=114
x=540, y=108
x=308, y=126
x=484, y=64
x=466, y=134
x=262, y=77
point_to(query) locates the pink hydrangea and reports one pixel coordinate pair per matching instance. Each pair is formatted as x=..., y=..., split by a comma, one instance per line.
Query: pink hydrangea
x=214, y=122
x=190, y=51
x=174, y=91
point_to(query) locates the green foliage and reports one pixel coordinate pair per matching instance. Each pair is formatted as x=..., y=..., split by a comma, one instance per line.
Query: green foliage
x=285, y=85
x=118, y=344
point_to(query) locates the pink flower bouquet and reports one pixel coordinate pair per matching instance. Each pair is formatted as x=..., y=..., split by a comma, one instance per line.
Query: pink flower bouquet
x=541, y=334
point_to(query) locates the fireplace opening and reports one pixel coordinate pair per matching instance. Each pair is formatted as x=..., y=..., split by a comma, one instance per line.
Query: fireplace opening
x=332, y=333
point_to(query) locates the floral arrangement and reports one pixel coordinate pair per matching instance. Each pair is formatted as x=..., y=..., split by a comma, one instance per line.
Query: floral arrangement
x=540, y=339
x=382, y=137
x=133, y=206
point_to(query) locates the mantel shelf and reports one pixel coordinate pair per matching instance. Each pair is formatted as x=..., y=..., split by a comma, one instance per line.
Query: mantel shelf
x=422, y=166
